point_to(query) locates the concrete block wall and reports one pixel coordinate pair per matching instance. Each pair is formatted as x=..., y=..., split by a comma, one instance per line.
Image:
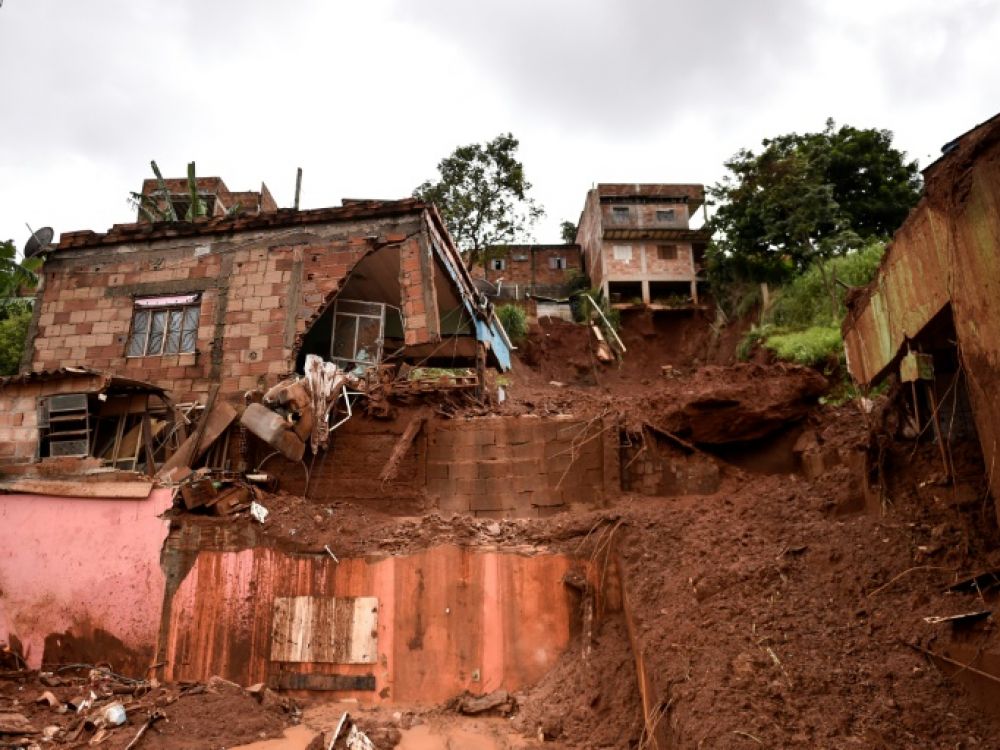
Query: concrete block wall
x=652, y=466
x=516, y=466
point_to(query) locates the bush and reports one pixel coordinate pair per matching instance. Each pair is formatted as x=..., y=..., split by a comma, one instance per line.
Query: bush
x=805, y=301
x=514, y=321
x=13, y=332
x=814, y=346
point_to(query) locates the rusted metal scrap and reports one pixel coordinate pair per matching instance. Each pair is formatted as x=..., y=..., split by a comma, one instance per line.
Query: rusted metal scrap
x=296, y=410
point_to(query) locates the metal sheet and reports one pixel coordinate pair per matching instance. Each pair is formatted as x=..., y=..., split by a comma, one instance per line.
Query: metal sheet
x=316, y=629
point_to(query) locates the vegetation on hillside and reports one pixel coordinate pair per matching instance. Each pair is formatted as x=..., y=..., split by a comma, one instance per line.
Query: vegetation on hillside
x=482, y=194
x=17, y=280
x=799, y=325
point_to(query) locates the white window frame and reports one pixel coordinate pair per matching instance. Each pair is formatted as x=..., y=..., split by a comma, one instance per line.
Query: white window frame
x=622, y=253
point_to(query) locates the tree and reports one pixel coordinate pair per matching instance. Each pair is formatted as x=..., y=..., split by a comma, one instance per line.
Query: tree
x=16, y=279
x=482, y=194
x=807, y=198
x=568, y=231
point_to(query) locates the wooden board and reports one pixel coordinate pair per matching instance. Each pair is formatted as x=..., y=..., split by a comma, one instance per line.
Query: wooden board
x=217, y=420
x=315, y=629
x=297, y=681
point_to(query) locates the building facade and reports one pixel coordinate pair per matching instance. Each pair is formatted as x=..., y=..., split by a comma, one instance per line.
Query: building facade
x=637, y=244
x=521, y=271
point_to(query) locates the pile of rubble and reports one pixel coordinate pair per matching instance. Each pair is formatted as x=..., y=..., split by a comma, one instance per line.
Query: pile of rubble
x=84, y=704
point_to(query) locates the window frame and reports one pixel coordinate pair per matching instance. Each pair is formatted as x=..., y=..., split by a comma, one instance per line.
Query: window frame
x=498, y=264
x=661, y=249
x=180, y=305
x=669, y=217
x=621, y=214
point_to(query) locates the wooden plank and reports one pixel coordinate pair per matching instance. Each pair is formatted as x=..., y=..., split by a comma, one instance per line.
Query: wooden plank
x=315, y=629
x=403, y=445
x=137, y=490
x=216, y=422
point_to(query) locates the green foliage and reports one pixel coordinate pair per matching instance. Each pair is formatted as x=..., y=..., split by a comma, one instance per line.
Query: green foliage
x=803, y=302
x=583, y=310
x=13, y=332
x=799, y=326
x=482, y=194
x=568, y=232
x=807, y=198
x=514, y=320
x=814, y=346
x=17, y=279
x=158, y=206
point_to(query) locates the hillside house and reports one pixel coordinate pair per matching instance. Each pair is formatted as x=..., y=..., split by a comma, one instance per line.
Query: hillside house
x=521, y=271
x=638, y=246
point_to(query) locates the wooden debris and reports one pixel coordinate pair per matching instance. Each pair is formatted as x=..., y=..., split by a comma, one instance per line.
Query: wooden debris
x=15, y=723
x=403, y=445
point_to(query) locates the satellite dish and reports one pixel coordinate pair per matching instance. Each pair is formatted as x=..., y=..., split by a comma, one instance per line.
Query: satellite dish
x=39, y=242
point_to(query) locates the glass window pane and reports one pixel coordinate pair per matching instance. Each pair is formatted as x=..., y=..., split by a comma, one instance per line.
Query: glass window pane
x=188, y=340
x=359, y=308
x=137, y=343
x=344, y=327
x=368, y=334
x=157, y=328
x=191, y=315
x=174, y=332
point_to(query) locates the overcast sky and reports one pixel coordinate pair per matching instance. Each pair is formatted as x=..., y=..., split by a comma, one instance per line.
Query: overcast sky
x=368, y=96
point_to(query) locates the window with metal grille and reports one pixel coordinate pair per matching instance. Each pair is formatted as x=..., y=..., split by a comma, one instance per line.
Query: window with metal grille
x=498, y=264
x=665, y=215
x=557, y=264
x=666, y=252
x=619, y=214
x=164, y=325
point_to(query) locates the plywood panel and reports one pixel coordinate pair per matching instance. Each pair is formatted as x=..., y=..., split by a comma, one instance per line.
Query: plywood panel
x=318, y=629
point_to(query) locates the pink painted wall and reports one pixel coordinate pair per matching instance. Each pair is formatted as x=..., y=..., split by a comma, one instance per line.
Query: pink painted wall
x=82, y=566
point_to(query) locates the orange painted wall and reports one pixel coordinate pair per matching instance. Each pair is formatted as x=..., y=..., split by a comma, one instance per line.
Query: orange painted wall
x=444, y=614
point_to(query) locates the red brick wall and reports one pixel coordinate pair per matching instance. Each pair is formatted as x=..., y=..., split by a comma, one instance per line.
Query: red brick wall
x=534, y=269
x=259, y=294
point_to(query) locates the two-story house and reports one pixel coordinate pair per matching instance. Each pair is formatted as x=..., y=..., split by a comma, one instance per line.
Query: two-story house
x=638, y=247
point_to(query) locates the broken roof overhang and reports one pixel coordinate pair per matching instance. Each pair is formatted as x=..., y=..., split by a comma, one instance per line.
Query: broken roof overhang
x=283, y=217
x=488, y=328
x=691, y=194
x=694, y=236
x=108, y=380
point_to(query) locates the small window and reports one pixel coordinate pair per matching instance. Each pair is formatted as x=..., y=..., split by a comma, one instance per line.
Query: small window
x=620, y=214
x=164, y=325
x=557, y=264
x=665, y=215
x=498, y=264
x=666, y=252
x=623, y=253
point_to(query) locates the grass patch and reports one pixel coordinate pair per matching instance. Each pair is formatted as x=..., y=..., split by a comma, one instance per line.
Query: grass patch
x=814, y=346
x=514, y=321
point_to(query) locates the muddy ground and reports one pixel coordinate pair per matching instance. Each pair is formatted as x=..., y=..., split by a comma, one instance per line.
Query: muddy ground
x=775, y=612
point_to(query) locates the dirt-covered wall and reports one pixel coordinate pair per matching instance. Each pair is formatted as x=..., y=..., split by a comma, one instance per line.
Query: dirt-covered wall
x=945, y=254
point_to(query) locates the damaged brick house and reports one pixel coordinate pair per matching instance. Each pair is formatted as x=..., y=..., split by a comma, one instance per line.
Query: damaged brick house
x=150, y=319
x=930, y=315
x=638, y=246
